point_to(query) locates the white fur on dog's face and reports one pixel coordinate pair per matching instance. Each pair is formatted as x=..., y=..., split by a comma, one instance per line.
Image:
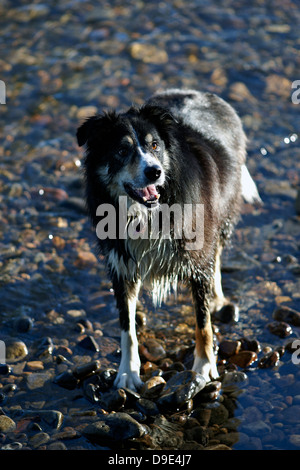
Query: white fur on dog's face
x=127, y=164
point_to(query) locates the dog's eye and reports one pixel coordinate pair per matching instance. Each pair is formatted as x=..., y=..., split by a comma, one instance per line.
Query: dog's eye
x=155, y=145
x=123, y=151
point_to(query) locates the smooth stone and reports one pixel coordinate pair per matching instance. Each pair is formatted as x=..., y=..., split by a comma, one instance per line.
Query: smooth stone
x=147, y=407
x=243, y=359
x=23, y=324
x=66, y=380
x=39, y=439
x=5, y=369
x=229, y=347
x=294, y=439
x=37, y=380
x=153, y=387
x=85, y=370
x=89, y=343
x=181, y=388
x=280, y=328
x=114, y=427
x=270, y=359
x=15, y=351
x=257, y=428
x=219, y=414
x=228, y=314
x=234, y=378
x=248, y=344
x=6, y=424
x=291, y=414
x=288, y=315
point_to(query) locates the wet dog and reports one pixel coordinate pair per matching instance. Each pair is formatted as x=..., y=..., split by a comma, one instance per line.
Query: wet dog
x=181, y=149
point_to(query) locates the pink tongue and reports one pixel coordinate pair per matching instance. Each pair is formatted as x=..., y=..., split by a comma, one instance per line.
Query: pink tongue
x=149, y=192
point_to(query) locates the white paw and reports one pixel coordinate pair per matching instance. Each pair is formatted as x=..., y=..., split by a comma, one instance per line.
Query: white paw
x=206, y=367
x=127, y=378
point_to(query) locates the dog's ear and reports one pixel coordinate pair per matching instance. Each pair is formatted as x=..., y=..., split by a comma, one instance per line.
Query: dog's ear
x=158, y=115
x=94, y=127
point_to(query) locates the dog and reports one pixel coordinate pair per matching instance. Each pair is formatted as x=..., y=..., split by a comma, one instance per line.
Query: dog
x=182, y=147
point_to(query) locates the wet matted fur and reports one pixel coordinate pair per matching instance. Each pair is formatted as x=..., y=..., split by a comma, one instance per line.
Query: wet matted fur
x=181, y=147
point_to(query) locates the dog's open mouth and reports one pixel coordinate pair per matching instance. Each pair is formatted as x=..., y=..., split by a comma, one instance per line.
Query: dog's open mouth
x=148, y=196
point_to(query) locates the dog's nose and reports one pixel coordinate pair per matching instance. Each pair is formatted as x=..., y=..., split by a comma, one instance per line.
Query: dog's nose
x=152, y=172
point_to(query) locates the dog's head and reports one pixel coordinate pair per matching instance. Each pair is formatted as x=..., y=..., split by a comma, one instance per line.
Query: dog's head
x=129, y=152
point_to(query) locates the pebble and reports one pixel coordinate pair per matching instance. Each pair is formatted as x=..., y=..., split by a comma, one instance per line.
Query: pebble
x=270, y=359
x=294, y=439
x=37, y=380
x=15, y=351
x=39, y=439
x=280, y=328
x=47, y=259
x=229, y=347
x=114, y=427
x=6, y=424
x=234, y=378
x=153, y=387
x=181, y=388
x=243, y=359
x=287, y=315
x=89, y=343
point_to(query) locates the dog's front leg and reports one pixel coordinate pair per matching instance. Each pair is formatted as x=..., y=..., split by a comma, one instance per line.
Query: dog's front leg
x=126, y=294
x=204, y=358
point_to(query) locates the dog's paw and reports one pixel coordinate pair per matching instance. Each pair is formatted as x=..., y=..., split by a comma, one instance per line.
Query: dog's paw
x=128, y=379
x=206, y=367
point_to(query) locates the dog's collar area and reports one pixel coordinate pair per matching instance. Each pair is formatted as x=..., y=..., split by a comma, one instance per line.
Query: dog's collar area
x=147, y=196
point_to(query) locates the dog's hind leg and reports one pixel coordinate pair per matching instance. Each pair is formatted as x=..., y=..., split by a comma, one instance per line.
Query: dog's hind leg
x=224, y=309
x=204, y=358
x=126, y=294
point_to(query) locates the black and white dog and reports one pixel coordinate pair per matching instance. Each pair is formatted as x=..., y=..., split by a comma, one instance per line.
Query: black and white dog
x=182, y=148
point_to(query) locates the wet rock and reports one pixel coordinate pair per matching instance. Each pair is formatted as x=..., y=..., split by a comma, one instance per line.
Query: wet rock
x=67, y=380
x=202, y=415
x=37, y=380
x=198, y=434
x=114, y=400
x=85, y=259
x=256, y=428
x=248, y=344
x=84, y=370
x=234, y=378
x=15, y=351
x=148, y=53
x=180, y=389
x=147, y=407
x=210, y=392
x=114, y=428
x=287, y=315
x=45, y=348
x=6, y=424
x=270, y=359
x=5, y=369
x=152, y=350
x=153, y=387
x=219, y=414
x=291, y=414
x=164, y=433
x=280, y=328
x=39, y=439
x=23, y=324
x=229, y=347
x=228, y=314
x=89, y=343
x=294, y=439
x=243, y=359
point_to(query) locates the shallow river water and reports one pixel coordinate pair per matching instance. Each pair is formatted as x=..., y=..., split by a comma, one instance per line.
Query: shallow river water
x=63, y=61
